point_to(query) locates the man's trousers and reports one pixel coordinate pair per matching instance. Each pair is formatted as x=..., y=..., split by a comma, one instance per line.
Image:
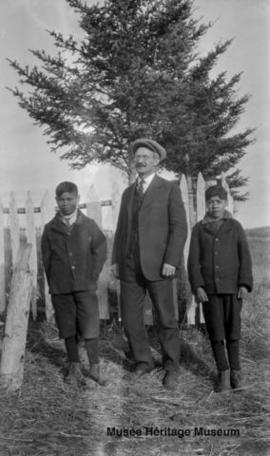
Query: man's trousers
x=133, y=291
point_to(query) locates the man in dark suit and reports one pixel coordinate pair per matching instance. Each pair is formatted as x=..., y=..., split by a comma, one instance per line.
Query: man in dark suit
x=148, y=246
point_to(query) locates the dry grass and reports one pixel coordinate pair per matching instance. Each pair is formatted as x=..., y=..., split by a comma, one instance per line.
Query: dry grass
x=49, y=418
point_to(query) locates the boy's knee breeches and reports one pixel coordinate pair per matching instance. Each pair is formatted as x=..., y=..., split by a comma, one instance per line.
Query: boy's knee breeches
x=77, y=314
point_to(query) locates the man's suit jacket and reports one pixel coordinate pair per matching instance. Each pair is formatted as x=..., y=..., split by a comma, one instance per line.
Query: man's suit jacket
x=162, y=228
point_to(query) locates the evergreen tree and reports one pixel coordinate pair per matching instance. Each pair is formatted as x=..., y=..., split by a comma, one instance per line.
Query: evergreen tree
x=136, y=73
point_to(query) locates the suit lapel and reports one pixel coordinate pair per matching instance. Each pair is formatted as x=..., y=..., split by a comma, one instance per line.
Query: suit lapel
x=224, y=227
x=130, y=198
x=152, y=191
x=58, y=225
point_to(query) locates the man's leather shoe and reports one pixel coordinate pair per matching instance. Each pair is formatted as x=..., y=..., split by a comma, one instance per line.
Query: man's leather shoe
x=171, y=379
x=142, y=369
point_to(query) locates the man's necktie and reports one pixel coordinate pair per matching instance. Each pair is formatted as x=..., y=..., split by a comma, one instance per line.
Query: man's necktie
x=140, y=187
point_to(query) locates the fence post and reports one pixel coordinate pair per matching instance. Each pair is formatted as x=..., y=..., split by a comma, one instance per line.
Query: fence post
x=94, y=211
x=2, y=262
x=102, y=290
x=191, y=312
x=47, y=211
x=13, y=350
x=200, y=197
x=31, y=238
x=200, y=208
x=185, y=198
x=116, y=202
x=225, y=185
x=190, y=191
x=14, y=228
x=93, y=206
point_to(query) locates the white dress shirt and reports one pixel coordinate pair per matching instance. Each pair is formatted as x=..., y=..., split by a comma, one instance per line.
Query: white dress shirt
x=147, y=181
x=69, y=219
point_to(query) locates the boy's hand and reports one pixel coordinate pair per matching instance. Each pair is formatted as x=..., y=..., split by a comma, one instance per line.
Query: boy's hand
x=242, y=293
x=201, y=295
x=115, y=271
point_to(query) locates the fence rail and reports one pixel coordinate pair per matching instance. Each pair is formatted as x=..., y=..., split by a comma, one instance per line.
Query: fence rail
x=38, y=209
x=11, y=231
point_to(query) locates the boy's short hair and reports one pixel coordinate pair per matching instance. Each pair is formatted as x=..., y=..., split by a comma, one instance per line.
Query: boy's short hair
x=66, y=187
x=216, y=190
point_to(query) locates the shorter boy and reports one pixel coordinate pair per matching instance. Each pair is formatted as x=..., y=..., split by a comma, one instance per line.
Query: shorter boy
x=219, y=268
x=73, y=252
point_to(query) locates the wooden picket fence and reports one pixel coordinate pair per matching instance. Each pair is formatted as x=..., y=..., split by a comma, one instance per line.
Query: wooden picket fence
x=11, y=232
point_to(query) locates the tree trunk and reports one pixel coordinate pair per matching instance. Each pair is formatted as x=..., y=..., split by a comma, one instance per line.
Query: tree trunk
x=13, y=350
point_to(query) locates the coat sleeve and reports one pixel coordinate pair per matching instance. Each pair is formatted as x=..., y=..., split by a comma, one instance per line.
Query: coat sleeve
x=194, y=266
x=46, y=252
x=245, y=277
x=118, y=233
x=177, y=227
x=98, y=250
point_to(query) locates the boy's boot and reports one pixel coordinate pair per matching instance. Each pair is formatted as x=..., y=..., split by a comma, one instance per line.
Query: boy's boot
x=91, y=346
x=74, y=375
x=235, y=379
x=223, y=381
x=94, y=373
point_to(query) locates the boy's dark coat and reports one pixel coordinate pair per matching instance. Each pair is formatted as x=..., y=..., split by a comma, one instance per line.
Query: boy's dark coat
x=73, y=260
x=220, y=262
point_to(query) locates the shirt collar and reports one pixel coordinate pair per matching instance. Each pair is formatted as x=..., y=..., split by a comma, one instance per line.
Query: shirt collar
x=208, y=219
x=147, y=180
x=69, y=219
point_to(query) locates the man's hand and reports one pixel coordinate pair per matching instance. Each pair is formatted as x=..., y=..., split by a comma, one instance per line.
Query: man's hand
x=201, y=295
x=168, y=270
x=242, y=293
x=115, y=271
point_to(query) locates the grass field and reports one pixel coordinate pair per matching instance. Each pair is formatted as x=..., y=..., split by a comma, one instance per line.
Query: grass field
x=49, y=418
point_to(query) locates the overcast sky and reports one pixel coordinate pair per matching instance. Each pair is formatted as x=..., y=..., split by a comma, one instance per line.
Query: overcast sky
x=25, y=160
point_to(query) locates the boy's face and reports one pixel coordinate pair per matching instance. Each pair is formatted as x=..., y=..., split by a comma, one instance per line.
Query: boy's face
x=216, y=207
x=67, y=202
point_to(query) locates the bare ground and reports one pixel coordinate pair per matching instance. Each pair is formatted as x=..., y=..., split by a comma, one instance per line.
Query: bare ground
x=49, y=418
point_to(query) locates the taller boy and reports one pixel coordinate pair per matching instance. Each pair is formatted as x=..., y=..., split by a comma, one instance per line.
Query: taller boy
x=149, y=242
x=220, y=274
x=74, y=251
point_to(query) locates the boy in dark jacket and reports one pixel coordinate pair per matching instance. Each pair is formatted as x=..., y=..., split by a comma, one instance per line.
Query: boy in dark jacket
x=73, y=252
x=219, y=267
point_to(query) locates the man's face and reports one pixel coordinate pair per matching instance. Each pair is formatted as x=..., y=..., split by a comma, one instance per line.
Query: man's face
x=67, y=202
x=146, y=161
x=216, y=207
